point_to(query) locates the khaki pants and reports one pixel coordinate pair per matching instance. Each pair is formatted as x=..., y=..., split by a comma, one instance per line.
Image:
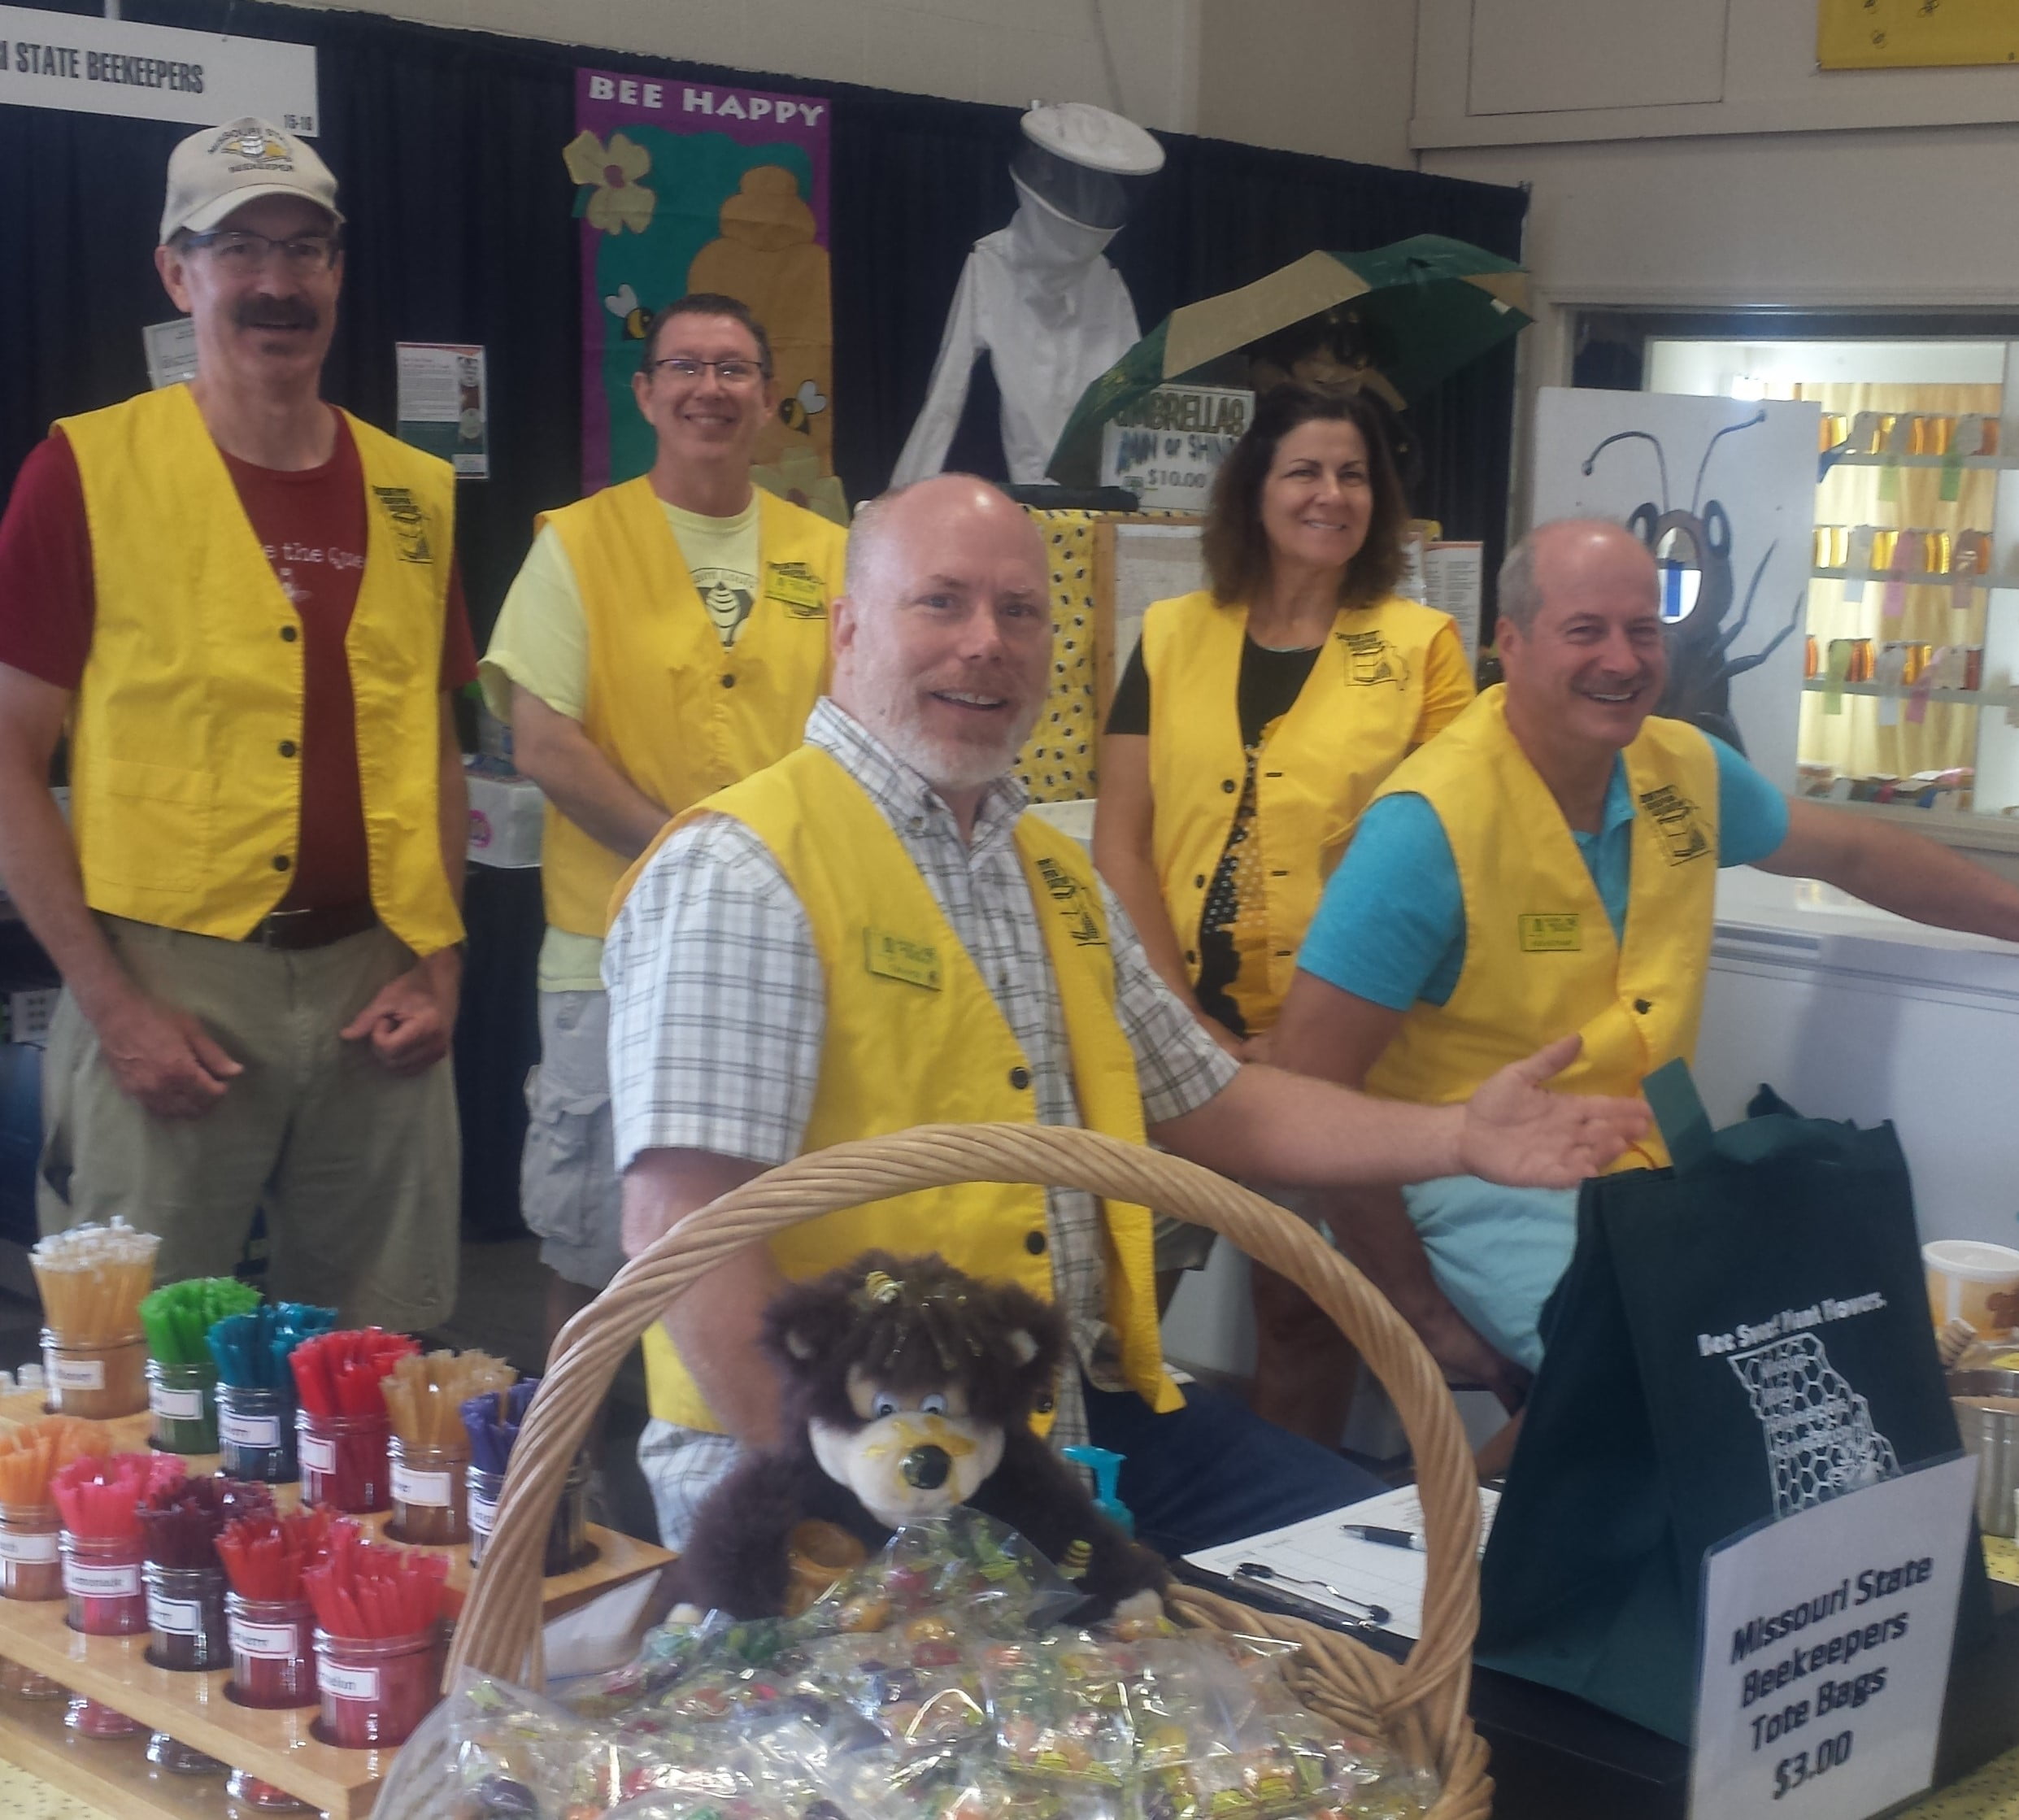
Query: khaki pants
x=359, y=1171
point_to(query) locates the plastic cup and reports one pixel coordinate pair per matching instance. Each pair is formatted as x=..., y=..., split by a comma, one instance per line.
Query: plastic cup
x=1970, y=1280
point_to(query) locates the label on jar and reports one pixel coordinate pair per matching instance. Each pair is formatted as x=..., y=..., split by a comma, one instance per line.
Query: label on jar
x=248, y=1431
x=412, y=1487
x=317, y=1453
x=172, y=1405
x=27, y=1546
x=347, y=1683
x=89, y=1581
x=74, y=1374
x=271, y=1643
x=180, y=1617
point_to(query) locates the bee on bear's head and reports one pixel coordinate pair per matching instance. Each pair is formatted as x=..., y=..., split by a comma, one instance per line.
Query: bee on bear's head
x=922, y=1370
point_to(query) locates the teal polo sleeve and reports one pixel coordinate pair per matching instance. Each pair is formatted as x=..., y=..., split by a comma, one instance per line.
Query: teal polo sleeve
x=1751, y=814
x=1390, y=927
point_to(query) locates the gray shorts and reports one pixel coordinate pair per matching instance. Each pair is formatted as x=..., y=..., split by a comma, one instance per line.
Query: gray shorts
x=569, y=1191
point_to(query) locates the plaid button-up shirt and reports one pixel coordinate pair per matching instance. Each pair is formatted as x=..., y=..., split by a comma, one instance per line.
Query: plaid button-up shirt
x=718, y=1005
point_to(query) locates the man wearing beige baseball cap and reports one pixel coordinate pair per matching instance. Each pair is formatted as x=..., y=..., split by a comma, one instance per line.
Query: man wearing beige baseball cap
x=241, y=603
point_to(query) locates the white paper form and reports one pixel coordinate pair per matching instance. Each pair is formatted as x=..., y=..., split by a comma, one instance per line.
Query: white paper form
x=1306, y=1557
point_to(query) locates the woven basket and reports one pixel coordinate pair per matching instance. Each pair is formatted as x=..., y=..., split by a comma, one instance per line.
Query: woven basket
x=1417, y=1706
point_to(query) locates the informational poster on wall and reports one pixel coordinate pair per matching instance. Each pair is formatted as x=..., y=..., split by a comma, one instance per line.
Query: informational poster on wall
x=1167, y=447
x=689, y=186
x=1723, y=492
x=1906, y=34
x=171, y=348
x=443, y=403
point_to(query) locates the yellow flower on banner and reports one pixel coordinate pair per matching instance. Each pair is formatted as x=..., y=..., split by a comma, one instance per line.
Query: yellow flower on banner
x=621, y=200
x=796, y=476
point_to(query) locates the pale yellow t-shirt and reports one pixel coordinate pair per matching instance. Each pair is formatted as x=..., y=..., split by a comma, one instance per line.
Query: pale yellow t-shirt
x=540, y=643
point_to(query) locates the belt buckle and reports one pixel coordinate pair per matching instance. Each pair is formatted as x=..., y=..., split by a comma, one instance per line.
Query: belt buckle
x=271, y=924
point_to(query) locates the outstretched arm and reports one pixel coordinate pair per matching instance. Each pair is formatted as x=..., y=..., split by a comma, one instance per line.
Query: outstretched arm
x=1288, y=1128
x=1895, y=868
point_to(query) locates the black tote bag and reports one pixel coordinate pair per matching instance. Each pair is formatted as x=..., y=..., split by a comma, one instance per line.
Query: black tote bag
x=1738, y=1337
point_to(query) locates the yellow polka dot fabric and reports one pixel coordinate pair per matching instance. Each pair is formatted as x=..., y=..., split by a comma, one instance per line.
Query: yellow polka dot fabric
x=1991, y=1794
x=26, y=1797
x=1057, y=765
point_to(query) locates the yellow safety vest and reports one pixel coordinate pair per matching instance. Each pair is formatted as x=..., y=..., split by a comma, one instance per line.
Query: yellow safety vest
x=914, y=1037
x=1541, y=960
x=1360, y=712
x=186, y=790
x=679, y=716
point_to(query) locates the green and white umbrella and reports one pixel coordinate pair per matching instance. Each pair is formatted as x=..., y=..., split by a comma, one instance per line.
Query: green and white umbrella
x=1430, y=304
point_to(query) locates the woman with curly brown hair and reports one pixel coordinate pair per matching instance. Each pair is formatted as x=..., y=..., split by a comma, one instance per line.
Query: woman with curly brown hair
x=1252, y=724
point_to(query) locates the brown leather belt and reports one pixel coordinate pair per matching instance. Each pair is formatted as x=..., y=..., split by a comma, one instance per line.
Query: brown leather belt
x=314, y=928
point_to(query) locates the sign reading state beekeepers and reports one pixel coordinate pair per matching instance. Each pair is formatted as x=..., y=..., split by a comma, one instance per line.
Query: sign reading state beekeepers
x=153, y=72
x=1166, y=447
x=1827, y=1640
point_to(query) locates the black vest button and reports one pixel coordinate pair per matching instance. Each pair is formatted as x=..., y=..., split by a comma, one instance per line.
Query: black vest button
x=1191, y=957
x=1020, y=1078
x=1199, y=879
x=281, y=862
x=1034, y=1243
x=287, y=748
x=1227, y=785
x=1642, y=1006
x=290, y=633
x=728, y=682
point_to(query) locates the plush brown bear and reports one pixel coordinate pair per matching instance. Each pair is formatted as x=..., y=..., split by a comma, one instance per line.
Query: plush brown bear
x=908, y=1388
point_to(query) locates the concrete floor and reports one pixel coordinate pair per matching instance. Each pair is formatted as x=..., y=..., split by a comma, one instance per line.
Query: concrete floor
x=499, y=1308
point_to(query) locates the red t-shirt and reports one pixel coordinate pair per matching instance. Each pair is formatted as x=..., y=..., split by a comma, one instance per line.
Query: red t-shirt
x=312, y=526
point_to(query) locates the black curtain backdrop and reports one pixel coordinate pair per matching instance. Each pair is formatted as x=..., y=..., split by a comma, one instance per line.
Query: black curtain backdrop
x=446, y=145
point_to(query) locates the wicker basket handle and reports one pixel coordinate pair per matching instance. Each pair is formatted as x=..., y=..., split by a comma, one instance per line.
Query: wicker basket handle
x=500, y=1622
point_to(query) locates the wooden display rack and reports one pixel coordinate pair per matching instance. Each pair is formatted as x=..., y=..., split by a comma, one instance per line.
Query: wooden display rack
x=194, y=1709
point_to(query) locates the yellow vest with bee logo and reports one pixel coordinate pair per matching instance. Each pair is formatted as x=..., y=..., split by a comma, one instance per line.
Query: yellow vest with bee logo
x=913, y=1036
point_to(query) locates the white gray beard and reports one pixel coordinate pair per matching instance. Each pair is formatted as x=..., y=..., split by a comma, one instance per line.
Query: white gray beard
x=957, y=768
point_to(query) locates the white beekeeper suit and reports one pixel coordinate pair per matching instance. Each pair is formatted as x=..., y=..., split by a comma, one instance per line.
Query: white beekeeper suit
x=1052, y=313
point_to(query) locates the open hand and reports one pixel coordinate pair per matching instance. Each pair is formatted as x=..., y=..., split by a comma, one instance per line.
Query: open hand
x=1519, y=1134
x=410, y=1020
x=162, y=1058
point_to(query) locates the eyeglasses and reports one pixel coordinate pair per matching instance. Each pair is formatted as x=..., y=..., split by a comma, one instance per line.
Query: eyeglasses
x=237, y=249
x=730, y=372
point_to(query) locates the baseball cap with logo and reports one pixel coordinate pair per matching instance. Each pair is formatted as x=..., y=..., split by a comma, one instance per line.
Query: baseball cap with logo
x=223, y=167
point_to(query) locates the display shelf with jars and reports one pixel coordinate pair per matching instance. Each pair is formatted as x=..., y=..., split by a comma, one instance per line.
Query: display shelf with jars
x=1913, y=634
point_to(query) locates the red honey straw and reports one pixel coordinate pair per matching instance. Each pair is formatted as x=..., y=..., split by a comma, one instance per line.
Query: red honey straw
x=180, y=1523
x=100, y=1496
x=264, y=1557
x=365, y=1590
x=338, y=1374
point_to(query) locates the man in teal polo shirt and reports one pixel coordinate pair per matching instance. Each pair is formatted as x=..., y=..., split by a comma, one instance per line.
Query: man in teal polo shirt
x=1468, y=1264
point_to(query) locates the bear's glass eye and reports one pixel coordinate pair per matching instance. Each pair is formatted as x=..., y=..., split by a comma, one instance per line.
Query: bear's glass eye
x=933, y=1405
x=885, y=1404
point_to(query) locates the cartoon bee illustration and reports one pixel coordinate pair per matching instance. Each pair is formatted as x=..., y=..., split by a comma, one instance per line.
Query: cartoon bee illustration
x=625, y=307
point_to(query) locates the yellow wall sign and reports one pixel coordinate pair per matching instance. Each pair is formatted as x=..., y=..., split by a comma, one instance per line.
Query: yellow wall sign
x=1909, y=34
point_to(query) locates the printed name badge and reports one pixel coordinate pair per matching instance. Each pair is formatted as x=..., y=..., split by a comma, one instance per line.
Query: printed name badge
x=797, y=588
x=1825, y=1652
x=899, y=957
x=1553, y=932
